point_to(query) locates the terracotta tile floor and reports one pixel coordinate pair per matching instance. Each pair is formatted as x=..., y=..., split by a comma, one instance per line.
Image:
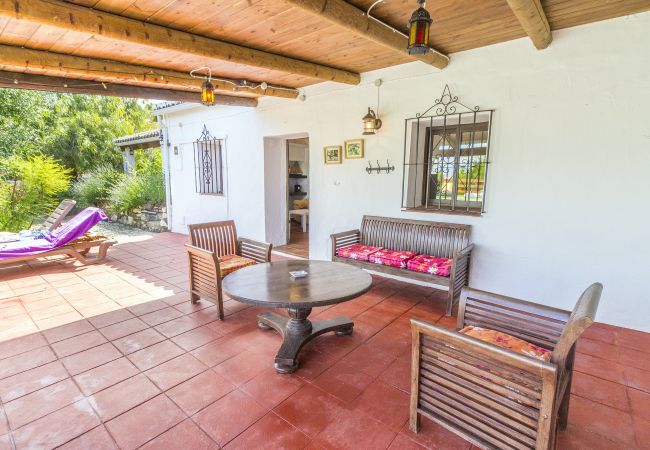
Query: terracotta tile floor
x=114, y=356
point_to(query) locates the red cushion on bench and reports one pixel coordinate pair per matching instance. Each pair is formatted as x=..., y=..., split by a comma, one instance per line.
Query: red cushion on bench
x=430, y=264
x=393, y=258
x=357, y=251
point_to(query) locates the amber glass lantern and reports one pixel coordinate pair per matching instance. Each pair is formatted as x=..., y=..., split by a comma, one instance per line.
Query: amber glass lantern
x=371, y=123
x=207, y=93
x=419, y=26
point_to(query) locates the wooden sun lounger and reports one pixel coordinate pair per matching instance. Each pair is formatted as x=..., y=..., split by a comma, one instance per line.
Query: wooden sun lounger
x=60, y=212
x=77, y=249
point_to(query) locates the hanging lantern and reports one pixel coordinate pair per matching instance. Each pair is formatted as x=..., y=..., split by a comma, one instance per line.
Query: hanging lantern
x=419, y=26
x=371, y=123
x=207, y=93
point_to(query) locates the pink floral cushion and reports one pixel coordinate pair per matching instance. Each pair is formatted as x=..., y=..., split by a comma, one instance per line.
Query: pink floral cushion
x=430, y=264
x=393, y=258
x=507, y=341
x=357, y=251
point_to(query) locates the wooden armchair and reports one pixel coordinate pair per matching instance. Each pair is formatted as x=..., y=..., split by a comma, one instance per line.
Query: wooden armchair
x=216, y=251
x=492, y=396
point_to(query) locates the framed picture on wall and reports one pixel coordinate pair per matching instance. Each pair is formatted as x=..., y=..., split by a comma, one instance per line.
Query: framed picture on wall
x=353, y=148
x=332, y=154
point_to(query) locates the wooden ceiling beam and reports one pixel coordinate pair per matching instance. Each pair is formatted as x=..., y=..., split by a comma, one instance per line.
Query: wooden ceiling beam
x=351, y=18
x=112, y=71
x=16, y=80
x=81, y=19
x=533, y=20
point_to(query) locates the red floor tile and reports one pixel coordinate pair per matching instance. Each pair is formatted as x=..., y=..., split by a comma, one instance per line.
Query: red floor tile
x=21, y=345
x=243, y=367
x=156, y=354
x=31, y=380
x=91, y=358
x=26, y=361
x=577, y=438
x=78, y=343
x=105, y=375
x=144, y=422
x=633, y=339
x=355, y=427
x=40, y=403
x=384, y=403
x=221, y=425
x=432, y=435
x=175, y=371
x=200, y=391
x=598, y=348
x=270, y=388
x=161, y=316
x=601, y=419
x=138, y=341
x=185, y=435
x=599, y=390
x=600, y=368
x=634, y=358
x=95, y=439
x=48, y=431
x=178, y=326
x=343, y=380
x=642, y=431
x=401, y=442
x=271, y=433
x=123, y=396
x=120, y=329
x=323, y=409
x=196, y=338
x=639, y=403
x=637, y=379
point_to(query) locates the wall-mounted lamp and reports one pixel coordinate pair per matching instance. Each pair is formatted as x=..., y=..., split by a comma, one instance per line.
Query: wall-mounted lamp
x=371, y=123
x=419, y=25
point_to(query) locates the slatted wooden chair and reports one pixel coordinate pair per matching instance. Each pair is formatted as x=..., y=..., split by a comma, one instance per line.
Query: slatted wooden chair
x=492, y=396
x=216, y=251
x=60, y=212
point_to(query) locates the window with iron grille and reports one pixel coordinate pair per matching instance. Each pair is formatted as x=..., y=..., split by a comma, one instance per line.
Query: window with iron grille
x=208, y=164
x=446, y=158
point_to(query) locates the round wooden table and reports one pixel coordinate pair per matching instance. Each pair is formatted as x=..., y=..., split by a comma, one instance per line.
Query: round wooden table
x=271, y=285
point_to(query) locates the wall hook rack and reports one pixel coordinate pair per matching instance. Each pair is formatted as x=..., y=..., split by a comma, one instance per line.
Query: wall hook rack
x=388, y=168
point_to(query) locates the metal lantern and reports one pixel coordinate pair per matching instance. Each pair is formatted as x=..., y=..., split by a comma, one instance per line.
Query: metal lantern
x=419, y=26
x=371, y=123
x=207, y=93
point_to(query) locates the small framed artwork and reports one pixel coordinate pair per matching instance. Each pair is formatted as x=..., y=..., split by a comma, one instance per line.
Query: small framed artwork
x=332, y=154
x=354, y=149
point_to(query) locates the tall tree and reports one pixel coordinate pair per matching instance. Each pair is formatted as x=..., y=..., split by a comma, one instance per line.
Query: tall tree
x=77, y=130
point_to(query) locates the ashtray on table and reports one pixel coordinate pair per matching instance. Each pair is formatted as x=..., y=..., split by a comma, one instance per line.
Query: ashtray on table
x=298, y=273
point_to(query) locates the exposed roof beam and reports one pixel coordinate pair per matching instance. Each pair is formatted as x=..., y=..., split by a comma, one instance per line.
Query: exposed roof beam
x=56, y=84
x=77, y=18
x=357, y=21
x=533, y=20
x=112, y=71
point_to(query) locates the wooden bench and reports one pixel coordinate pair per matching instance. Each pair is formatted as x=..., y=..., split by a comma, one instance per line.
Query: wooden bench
x=448, y=240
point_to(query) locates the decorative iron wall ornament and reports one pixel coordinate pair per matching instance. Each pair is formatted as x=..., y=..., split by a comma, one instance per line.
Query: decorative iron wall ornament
x=446, y=157
x=208, y=164
x=446, y=104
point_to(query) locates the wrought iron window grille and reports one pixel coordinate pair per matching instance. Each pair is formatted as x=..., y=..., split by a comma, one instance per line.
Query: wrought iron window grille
x=208, y=164
x=446, y=157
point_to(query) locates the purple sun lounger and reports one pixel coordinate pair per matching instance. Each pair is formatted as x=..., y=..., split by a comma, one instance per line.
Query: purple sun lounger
x=68, y=240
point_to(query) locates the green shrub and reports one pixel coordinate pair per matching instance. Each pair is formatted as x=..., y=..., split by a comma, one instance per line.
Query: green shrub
x=136, y=191
x=28, y=189
x=94, y=188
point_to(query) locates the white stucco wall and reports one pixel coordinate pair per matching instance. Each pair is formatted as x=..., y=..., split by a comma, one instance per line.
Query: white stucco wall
x=567, y=195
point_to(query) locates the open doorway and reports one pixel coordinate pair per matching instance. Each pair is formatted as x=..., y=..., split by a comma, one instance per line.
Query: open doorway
x=287, y=193
x=298, y=197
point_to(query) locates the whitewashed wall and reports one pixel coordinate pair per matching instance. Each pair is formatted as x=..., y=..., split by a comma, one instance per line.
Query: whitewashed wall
x=568, y=191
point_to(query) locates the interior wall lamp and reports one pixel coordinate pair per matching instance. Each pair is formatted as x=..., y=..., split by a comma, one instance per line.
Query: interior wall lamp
x=371, y=121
